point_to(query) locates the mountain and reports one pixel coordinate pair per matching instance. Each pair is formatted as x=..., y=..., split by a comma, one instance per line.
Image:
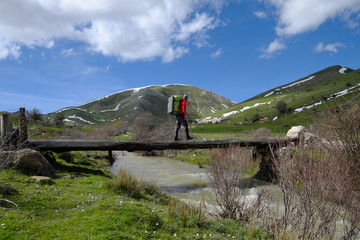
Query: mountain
x=129, y=104
x=303, y=99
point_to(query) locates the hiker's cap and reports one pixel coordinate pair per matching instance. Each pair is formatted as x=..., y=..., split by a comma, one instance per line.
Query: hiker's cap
x=185, y=96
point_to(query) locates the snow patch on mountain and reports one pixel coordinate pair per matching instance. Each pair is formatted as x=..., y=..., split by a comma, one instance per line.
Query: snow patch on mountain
x=245, y=108
x=81, y=119
x=276, y=91
x=269, y=94
x=71, y=108
x=111, y=110
x=336, y=95
x=343, y=70
x=299, y=82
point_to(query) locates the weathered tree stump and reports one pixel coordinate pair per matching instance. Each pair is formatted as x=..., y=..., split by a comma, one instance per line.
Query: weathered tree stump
x=5, y=131
x=23, y=134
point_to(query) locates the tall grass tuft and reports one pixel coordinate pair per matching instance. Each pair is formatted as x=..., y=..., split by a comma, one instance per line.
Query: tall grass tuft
x=186, y=215
x=126, y=183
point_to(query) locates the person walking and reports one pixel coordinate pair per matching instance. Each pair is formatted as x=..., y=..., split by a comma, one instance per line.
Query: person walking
x=181, y=119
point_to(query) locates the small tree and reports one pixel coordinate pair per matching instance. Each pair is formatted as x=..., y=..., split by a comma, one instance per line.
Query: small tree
x=35, y=114
x=281, y=106
x=58, y=119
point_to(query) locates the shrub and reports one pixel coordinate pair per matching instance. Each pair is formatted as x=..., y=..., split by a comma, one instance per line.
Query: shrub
x=320, y=183
x=227, y=168
x=66, y=156
x=126, y=183
x=58, y=119
x=262, y=133
x=281, y=106
x=255, y=118
x=147, y=127
x=35, y=114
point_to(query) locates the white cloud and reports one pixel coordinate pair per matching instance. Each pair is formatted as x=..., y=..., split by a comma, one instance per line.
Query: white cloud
x=260, y=14
x=273, y=48
x=89, y=70
x=68, y=52
x=331, y=47
x=217, y=54
x=298, y=16
x=128, y=30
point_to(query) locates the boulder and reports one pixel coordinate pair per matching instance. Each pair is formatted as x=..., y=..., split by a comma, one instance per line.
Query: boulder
x=296, y=132
x=31, y=162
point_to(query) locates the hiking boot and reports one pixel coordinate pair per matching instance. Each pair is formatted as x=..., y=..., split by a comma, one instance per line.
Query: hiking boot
x=176, y=139
x=189, y=138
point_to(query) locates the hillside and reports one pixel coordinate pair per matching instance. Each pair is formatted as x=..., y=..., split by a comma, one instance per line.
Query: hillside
x=129, y=104
x=303, y=98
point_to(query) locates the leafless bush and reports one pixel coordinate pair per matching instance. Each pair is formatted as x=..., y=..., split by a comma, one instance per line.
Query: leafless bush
x=307, y=181
x=227, y=168
x=262, y=133
x=106, y=131
x=147, y=127
x=320, y=183
x=341, y=126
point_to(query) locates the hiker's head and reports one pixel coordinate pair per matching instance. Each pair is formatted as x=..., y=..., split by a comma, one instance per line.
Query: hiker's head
x=185, y=96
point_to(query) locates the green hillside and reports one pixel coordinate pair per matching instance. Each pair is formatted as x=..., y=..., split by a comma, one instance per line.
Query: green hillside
x=304, y=98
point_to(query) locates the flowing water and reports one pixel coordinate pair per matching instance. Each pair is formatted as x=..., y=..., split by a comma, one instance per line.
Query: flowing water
x=187, y=182
x=182, y=180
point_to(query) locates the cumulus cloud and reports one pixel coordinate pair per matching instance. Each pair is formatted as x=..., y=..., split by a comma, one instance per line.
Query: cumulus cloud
x=331, y=47
x=128, y=30
x=273, y=48
x=298, y=16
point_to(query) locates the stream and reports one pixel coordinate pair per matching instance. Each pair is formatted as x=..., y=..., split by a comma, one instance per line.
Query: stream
x=181, y=180
x=188, y=182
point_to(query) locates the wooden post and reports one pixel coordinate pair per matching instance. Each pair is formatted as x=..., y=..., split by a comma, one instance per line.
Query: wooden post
x=5, y=131
x=111, y=158
x=23, y=135
x=266, y=171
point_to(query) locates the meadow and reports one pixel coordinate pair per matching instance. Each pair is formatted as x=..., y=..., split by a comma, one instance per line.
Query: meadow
x=86, y=202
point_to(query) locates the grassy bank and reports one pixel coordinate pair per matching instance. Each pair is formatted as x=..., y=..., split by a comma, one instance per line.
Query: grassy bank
x=79, y=204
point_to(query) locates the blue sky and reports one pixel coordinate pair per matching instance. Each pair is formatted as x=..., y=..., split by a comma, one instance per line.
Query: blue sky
x=60, y=53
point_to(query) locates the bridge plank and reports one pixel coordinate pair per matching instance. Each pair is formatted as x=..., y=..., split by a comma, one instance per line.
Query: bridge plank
x=107, y=145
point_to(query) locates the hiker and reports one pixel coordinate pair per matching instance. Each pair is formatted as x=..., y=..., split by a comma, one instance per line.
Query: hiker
x=181, y=118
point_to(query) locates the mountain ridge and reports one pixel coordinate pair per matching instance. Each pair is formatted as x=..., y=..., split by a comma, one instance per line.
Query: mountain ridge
x=126, y=105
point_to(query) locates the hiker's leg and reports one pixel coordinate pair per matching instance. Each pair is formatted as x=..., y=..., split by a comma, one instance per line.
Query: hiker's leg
x=186, y=126
x=178, y=125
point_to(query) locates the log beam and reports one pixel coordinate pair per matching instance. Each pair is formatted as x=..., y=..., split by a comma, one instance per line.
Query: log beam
x=104, y=145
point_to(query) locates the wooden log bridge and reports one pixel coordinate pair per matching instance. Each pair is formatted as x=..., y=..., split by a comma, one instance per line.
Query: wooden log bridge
x=262, y=145
x=105, y=145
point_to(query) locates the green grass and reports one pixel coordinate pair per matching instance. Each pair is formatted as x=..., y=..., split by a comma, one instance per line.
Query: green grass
x=79, y=205
x=198, y=157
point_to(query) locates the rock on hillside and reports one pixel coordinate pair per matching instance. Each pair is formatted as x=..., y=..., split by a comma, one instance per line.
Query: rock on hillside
x=127, y=105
